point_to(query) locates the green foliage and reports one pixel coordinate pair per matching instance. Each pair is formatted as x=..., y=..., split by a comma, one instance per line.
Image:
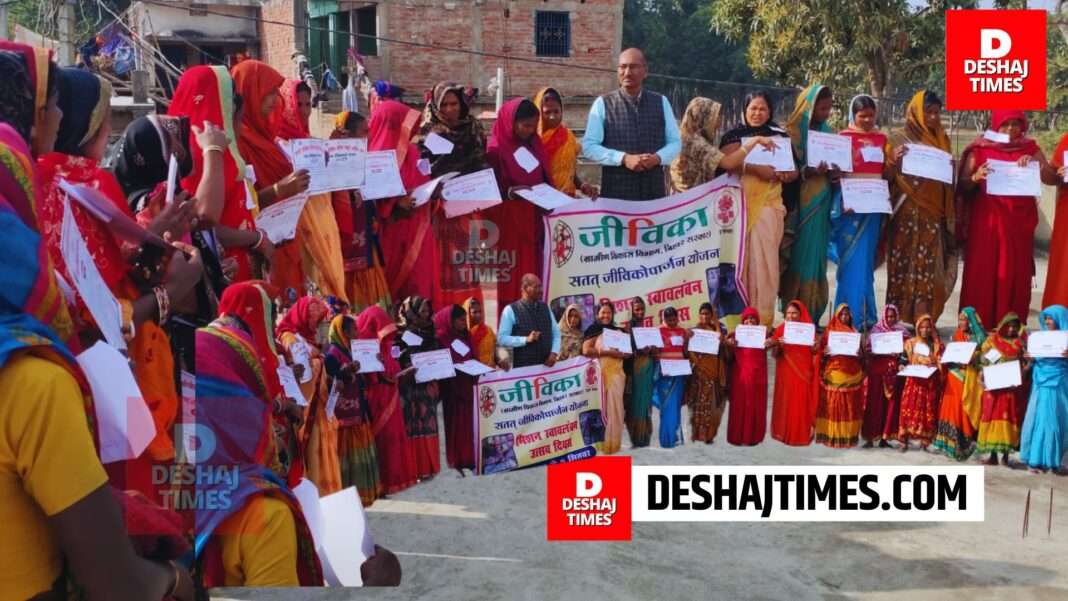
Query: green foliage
x=41, y=16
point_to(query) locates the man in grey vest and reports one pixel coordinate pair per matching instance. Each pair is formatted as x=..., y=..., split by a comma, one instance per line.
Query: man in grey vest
x=633, y=134
x=528, y=328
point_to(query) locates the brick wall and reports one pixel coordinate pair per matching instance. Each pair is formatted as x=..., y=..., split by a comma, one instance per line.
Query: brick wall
x=278, y=42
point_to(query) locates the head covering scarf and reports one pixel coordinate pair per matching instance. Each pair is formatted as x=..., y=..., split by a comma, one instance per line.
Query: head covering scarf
x=884, y=324
x=780, y=330
x=798, y=123
x=374, y=322
x=381, y=91
x=934, y=198
x=255, y=81
x=561, y=146
x=1009, y=317
x=745, y=130
x=976, y=331
x=145, y=151
x=1052, y=371
x=936, y=347
x=570, y=337
x=390, y=128
x=836, y=324
x=286, y=121
x=298, y=319
x=849, y=107
x=503, y=144
x=482, y=337
x=469, y=141
x=85, y=99
x=700, y=157
x=337, y=333
x=445, y=333
x=411, y=320
x=16, y=100
x=251, y=304
x=35, y=62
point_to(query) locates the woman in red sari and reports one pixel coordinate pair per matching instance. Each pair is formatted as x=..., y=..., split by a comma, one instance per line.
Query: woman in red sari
x=1056, y=292
x=839, y=413
x=920, y=396
x=883, y=389
x=793, y=409
x=748, y=417
x=998, y=231
x=396, y=465
x=408, y=244
x=450, y=325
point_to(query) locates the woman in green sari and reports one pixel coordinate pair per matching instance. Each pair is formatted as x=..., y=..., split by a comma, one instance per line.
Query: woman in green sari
x=641, y=377
x=808, y=222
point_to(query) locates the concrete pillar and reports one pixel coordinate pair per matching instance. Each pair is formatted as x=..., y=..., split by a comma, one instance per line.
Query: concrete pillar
x=139, y=83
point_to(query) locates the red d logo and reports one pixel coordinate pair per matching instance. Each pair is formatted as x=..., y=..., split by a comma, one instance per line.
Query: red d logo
x=995, y=59
x=589, y=500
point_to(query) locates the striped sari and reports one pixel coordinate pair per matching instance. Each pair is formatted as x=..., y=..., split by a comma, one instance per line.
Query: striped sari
x=840, y=410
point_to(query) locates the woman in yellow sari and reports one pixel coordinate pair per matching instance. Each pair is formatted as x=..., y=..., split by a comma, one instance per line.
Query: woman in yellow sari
x=561, y=145
x=483, y=340
x=840, y=409
x=613, y=377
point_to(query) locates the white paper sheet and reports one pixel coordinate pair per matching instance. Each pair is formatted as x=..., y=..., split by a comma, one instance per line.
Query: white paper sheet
x=460, y=347
x=750, y=336
x=347, y=541
x=381, y=176
x=1047, y=343
x=331, y=399
x=1009, y=179
x=917, y=371
x=423, y=193
x=101, y=303
x=843, y=343
x=887, y=343
x=675, y=367
x=310, y=154
x=959, y=353
x=411, y=338
x=831, y=149
x=677, y=340
x=279, y=221
x=546, y=197
x=172, y=179
x=799, y=333
x=346, y=164
x=289, y=384
x=992, y=355
x=433, y=365
x=365, y=352
x=437, y=144
x=424, y=167
x=473, y=367
x=921, y=349
x=927, y=162
x=866, y=195
x=124, y=423
x=1002, y=375
x=704, y=341
x=781, y=159
x=872, y=154
x=614, y=339
x=996, y=136
x=251, y=202
x=472, y=192
x=301, y=355
x=1064, y=161
x=647, y=337
x=525, y=159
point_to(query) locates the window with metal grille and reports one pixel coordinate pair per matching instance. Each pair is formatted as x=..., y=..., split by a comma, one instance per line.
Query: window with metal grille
x=552, y=33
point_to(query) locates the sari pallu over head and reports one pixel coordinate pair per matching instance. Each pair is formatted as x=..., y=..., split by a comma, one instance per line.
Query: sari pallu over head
x=446, y=335
x=252, y=304
x=298, y=319
x=699, y=159
x=390, y=128
x=374, y=322
x=934, y=198
x=570, y=338
x=500, y=152
x=801, y=361
x=467, y=136
x=561, y=147
x=1010, y=348
x=144, y=152
x=286, y=120
x=483, y=339
x=840, y=371
x=935, y=342
x=36, y=63
x=255, y=81
x=1050, y=371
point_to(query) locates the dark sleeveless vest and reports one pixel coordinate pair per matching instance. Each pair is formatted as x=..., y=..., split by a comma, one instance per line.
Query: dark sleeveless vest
x=633, y=127
x=530, y=317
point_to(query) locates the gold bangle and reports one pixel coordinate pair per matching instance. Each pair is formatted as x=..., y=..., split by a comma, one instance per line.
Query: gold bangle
x=213, y=148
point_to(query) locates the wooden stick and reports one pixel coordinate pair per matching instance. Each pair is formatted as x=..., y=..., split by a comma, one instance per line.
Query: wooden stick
x=1027, y=514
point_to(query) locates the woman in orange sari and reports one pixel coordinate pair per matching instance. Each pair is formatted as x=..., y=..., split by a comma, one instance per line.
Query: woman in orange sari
x=562, y=148
x=1003, y=410
x=793, y=409
x=483, y=339
x=1057, y=273
x=840, y=411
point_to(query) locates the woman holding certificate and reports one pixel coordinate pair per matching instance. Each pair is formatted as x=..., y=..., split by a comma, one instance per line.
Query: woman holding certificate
x=749, y=382
x=855, y=235
x=762, y=186
x=612, y=376
x=919, y=398
x=958, y=417
x=808, y=225
x=998, y=229
x=1056, y=292
x=670, y=389
x=705, y=392
x=882, y=401
x=921, y=267
x=1044, y=439
x=1003, y=407
x=793, y=409
x=840, y=410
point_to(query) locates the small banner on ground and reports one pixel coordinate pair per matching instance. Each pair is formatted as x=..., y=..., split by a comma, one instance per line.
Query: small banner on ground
x=536, y=415
x=668, y=251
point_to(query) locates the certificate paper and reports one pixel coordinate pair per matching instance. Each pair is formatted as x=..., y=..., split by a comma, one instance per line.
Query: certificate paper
x=381, y=176
x=525, y=159
x=433, y=365
x=365, y=352
x=614, y=339
x=675, y=367
x=887, y=343
x=1002, y=375
x=411, y=338
x=1051, y=343
x=843, y=343
x=928, y=162
x=750, y=336
x=546, y=197
x=866, y=195
x=473, y=367
x=289, y=384
x=437, y=144
x=279, y=221
x=302, y=356
x=704, y=341
x=469, y=193
x=959, y=353
x=781, y=159
x=98, y=298
x=799, y=333
x=917, y=371
x=1009, y=179
x=647, y=337
x=872, y=154
x=831, y=149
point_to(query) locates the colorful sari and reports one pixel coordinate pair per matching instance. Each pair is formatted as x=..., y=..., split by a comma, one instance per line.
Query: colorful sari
x=840, y=411
x=356, y=451
x=396, y=466
x=920, y=396
x=468, y=152
x=699, y=158
x=921, y=263
x=670, y=391
x=808, y=226
x=855, y=236
x=1044, y=437
x=706, y=390
x=793, y=408
x=748, y=419
x=882, y=390
x=483, y=340
x=640, y=372
x=1056, y=292
x=420, y=399
x=457, y=402
x=614, y=381
x=999, y=250
x=1003, y=410
x=562, y=148
x=962, y=399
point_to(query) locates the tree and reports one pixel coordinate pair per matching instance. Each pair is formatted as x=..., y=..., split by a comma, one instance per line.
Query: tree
x=883, y=46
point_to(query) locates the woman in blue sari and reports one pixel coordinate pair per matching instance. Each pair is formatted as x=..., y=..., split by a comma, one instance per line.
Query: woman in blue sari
x=855, y=236
x=1044, y=436
x=670, y=390
x=808, y=221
